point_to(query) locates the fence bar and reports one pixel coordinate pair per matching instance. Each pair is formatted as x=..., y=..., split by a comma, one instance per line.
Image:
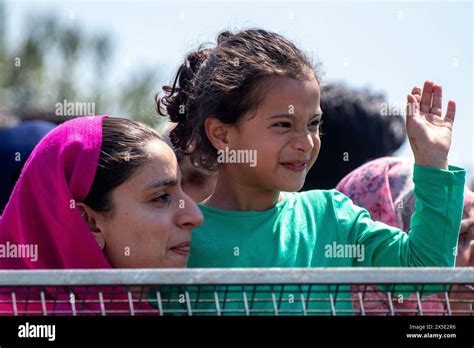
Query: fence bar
x=102, y=305
x=15, y=308
x=223, y=276
x=246, y=304
x=72, y=300
x=251, y=291
x=43, y=303
x=216, y=298
x=361, y=304
x=160, y=305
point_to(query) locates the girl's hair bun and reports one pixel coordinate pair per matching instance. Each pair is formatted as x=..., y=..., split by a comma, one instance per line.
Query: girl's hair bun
x=175, y=102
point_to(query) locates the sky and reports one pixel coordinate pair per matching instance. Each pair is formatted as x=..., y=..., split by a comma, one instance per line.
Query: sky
x=386, y=46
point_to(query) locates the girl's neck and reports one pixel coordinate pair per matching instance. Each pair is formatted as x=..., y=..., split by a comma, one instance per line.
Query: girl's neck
x=230, y=194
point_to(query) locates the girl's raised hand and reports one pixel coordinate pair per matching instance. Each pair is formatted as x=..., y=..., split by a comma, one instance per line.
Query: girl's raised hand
x=428, y=132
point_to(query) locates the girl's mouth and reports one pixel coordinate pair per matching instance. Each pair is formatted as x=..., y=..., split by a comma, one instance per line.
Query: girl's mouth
x=181, y=249
x=297, y=166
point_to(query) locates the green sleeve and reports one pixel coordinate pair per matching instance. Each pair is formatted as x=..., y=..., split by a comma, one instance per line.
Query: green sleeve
x=435, y=224
x=433, y=238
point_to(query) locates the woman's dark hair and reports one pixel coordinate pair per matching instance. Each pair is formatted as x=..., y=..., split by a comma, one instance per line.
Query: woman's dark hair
x=226, y=82
x=122, y=153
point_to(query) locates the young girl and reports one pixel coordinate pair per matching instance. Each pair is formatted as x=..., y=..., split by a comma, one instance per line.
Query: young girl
x=255, y=92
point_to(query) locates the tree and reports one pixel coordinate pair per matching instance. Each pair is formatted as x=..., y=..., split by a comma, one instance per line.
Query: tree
x=48, y=65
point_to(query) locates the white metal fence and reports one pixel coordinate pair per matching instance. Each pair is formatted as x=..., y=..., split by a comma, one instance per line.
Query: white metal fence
x=243, y=291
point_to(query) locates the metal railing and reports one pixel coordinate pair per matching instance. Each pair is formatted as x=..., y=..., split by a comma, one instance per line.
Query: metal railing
x=242, y=291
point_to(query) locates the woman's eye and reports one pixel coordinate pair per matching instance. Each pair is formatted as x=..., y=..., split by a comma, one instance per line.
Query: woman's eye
x=164, y=198
x=282, y=124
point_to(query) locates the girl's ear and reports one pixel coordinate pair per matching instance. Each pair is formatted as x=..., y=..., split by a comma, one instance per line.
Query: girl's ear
x=93, y=220
x=217, y=133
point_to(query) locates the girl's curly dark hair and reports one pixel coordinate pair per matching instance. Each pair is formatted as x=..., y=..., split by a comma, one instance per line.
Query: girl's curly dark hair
x=226, y=82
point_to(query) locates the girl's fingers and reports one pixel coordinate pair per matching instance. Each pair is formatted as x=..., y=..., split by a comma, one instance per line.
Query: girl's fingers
x=437, y=103
x=412, y=106
x=416, y=91
x=426, y=97
x=429, y=102
x=450, y=114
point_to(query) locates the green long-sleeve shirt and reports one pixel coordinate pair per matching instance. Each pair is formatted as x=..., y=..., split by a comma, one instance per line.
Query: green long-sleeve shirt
x=325, y=229
x=306, y=229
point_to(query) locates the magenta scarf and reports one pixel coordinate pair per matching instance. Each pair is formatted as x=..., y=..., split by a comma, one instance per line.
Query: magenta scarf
x=41, y=211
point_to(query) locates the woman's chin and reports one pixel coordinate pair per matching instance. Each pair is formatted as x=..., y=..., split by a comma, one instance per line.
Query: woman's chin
x=176, y=261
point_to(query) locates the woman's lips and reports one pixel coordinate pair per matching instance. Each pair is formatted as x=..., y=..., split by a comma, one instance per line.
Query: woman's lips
x=181, y=249
x=295, y=166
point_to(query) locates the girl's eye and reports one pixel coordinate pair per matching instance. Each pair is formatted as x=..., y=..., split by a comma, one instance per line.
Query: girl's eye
x=163, y=198
x=283, y=124
x=316, y=123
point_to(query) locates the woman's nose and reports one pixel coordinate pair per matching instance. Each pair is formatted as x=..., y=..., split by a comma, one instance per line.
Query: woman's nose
x=190, y=215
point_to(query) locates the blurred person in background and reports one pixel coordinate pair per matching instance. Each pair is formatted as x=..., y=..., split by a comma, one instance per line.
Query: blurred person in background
x=7, y=120
x=197, y=182
x=16, y=144
x=357, y=126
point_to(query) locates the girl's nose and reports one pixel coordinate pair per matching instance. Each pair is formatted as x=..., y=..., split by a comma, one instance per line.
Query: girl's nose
x=304, y=142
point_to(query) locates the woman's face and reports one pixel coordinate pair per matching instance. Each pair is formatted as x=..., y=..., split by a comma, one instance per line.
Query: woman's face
x=151, y=220
x=284, y=132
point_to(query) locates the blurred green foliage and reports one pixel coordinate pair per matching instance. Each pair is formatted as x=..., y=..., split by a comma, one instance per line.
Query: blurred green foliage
x=57, y=60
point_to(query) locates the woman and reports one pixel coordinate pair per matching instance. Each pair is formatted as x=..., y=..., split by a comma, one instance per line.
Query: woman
x=98, y=192
x=385, y=188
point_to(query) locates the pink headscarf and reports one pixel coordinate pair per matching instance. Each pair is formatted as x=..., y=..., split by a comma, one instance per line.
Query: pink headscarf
x=385, y=188
x=42, y=212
